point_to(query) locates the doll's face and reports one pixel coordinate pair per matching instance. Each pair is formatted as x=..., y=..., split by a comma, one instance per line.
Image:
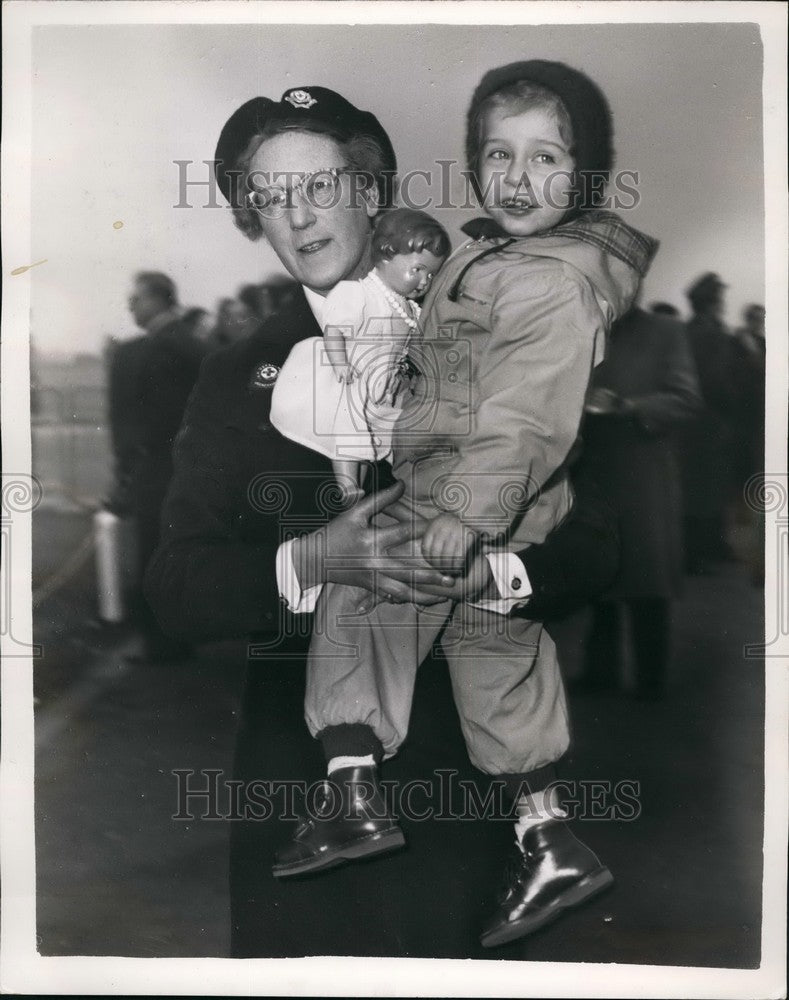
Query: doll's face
x=409, y=274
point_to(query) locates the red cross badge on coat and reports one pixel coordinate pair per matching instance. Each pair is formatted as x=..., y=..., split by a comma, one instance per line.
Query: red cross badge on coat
x=264, y=376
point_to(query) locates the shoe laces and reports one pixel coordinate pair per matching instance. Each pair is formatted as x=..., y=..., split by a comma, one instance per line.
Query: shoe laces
x=322, y=807
x=519, y=865
x=323, y=804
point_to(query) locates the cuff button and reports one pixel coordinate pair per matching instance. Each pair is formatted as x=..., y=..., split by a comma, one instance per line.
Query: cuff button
x=516, y=583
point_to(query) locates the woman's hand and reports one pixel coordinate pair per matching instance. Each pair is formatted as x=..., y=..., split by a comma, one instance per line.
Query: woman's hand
x=475, y=584
x=409, y=568
x=353, y=551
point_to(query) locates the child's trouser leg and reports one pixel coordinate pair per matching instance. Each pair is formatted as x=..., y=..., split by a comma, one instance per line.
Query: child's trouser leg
x=362, y=668
x=508, y=690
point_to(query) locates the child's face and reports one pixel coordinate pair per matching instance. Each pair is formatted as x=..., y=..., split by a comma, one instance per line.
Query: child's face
x=525, y=170
x=409, y=274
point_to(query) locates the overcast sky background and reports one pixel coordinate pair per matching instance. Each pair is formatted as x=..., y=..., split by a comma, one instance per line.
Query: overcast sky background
x=114, y=106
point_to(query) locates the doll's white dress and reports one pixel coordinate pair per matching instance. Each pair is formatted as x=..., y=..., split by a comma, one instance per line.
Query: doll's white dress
x=346, y=421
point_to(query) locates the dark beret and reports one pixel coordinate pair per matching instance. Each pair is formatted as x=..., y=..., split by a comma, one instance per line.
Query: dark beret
x=317, y=109
x=586, y=105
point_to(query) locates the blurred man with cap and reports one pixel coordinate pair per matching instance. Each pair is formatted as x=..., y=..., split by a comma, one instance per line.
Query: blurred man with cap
x=150, y=379
x=706, y=441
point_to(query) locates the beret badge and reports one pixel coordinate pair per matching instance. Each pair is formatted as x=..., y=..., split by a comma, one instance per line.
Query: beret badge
x=300, y=99
x=317, y=105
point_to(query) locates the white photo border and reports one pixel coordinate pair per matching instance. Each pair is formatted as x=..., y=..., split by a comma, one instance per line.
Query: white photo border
x=23, y=969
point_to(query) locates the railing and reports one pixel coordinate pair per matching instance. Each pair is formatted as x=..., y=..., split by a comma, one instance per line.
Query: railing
x=81, y=404
x=71, y=452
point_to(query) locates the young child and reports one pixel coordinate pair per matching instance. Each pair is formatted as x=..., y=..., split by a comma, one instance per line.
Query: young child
x=512, y=328
x=339, y=394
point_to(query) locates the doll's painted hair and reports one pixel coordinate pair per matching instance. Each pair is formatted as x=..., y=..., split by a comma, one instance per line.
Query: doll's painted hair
x=405, y=230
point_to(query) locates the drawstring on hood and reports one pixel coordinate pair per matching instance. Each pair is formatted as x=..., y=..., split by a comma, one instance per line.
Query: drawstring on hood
x=453, y=292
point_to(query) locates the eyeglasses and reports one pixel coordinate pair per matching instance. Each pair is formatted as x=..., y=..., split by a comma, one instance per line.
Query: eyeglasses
x=319, y=188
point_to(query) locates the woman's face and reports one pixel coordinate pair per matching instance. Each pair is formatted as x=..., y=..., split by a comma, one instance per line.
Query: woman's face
x=318, y=246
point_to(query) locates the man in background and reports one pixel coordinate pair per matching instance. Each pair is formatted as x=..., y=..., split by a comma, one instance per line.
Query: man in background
x=707, y=440
x=749, y=364
x=641, y=395
x=150, y=379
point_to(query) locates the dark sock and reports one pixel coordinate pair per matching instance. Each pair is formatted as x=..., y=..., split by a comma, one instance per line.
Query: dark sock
x=350, y=740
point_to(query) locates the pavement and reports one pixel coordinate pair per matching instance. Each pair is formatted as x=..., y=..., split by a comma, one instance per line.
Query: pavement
x=118, y=875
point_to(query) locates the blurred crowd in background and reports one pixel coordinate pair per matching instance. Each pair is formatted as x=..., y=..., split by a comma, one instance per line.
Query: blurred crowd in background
x=674, y=434
x=237, y=316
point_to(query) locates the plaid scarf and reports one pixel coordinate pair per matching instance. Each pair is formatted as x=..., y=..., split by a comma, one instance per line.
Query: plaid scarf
x=596, y=226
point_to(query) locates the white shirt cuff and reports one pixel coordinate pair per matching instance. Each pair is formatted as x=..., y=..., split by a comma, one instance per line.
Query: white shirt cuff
x=512, y=583
x=293, y=597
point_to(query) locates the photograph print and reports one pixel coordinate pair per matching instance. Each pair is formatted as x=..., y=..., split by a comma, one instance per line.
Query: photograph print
x=394, y=452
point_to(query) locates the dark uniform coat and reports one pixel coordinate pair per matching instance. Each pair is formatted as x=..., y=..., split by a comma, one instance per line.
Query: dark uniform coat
x=633, y=454
x=240, y=489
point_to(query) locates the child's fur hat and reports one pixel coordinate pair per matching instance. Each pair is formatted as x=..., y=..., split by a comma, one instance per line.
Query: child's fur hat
x=586, y=105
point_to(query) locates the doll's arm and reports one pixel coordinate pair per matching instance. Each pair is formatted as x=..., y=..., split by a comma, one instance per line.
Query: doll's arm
x=334, y=347
x=343, y=316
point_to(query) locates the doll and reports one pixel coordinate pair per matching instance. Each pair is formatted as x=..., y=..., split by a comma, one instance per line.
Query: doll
x=339, y=394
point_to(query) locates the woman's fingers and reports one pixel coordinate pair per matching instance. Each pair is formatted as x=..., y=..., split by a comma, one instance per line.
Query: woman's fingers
x=396, y=592
x=401, y=512
x=367, y=509
x=444, y=592
x=395, y=534
x=418, y=576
